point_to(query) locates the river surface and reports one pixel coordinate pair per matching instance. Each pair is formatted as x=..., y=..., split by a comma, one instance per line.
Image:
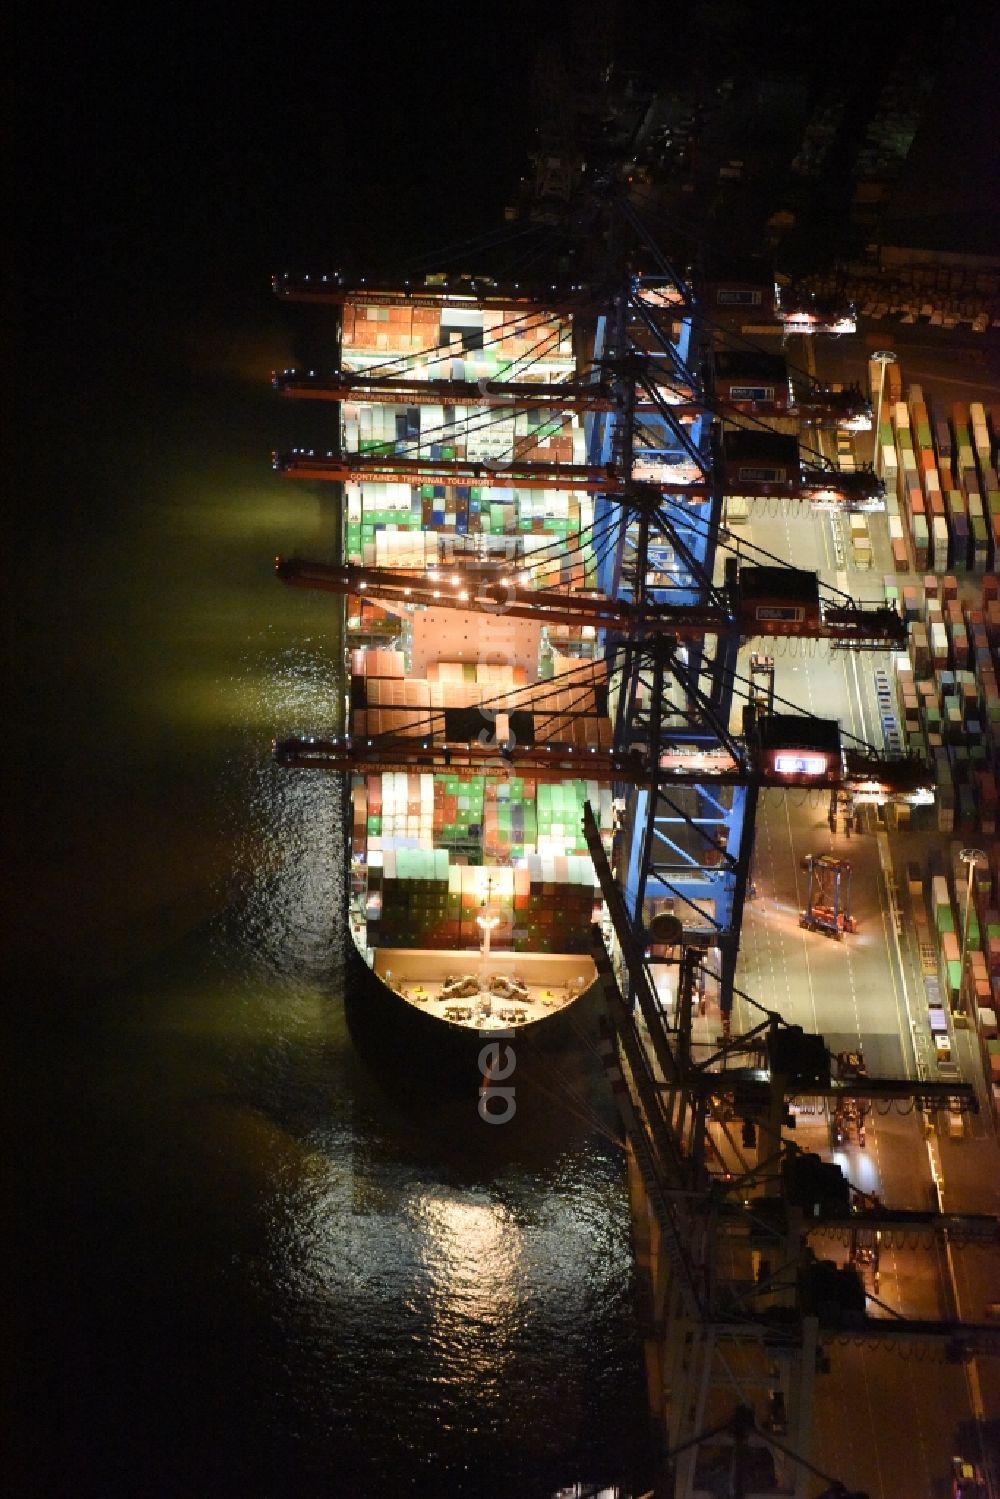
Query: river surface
x=253, y=1263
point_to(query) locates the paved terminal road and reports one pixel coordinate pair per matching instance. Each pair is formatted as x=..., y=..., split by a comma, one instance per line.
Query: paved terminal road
x=887, y=1417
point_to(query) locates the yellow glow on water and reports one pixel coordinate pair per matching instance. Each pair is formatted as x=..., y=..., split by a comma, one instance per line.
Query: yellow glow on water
x=247, y=355
x=228, y=507
x=272, y=698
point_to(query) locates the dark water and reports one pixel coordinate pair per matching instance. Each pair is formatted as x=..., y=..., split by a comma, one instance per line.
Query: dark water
x=252, y=1266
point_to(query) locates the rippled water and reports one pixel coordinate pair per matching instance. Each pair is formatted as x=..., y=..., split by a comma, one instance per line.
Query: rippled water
x=255, y=1265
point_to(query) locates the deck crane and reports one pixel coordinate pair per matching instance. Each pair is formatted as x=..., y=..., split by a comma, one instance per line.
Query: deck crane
x=741, y=1300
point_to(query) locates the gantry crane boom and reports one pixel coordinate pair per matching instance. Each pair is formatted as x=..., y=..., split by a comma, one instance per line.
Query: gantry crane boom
x=820, y=486
x=464, y=293
x=819, y=408
x=374, y=389
x=826, y=620
x=555, y=761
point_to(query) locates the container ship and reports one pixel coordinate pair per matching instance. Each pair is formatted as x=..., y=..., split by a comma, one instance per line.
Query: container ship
x=471, y=893
x=540, y=616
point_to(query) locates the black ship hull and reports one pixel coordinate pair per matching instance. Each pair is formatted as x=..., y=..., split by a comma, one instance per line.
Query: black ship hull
x=421, y=1051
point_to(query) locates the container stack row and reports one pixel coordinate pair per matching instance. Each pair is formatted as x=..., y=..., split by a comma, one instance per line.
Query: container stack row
x=476, y=433
x=941, y=926
x=476, y=342
x=942, y=490
x=947, y=696
x=563, y=710
x=472, y=816
x=423, y=900
x=399, y=524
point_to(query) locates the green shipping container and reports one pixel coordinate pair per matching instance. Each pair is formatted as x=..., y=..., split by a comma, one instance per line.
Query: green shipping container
x=944, y=920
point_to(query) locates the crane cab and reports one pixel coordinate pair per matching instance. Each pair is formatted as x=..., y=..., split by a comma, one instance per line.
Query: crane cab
x=760, y=463
x=739, y=290
x=778, y=601
x=751, y=380
x=799, y=751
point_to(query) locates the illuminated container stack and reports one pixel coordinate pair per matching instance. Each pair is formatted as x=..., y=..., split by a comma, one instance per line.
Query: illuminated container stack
x=949, y=706
x=396, y=525
x=938, y=906
x=438, y=848
x=981, y=980
x=464, y=432
x=486, y=820
x=426, y=899
x=947, y=938
x=384, y=520
x=461, y=343
x=909, y=492
x=943, y=494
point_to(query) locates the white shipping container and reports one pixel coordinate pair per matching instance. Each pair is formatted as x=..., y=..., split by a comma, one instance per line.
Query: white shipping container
x=462, y=317
x=939, y=545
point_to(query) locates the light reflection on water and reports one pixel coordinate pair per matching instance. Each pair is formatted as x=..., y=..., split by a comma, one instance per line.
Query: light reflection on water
x=458, y=1339
x=263, y=1269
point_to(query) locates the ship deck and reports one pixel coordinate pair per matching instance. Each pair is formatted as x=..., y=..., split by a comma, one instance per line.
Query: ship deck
x=505, y=990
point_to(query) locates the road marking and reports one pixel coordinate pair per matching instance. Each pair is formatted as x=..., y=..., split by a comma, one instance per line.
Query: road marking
x=906, y=1026
x=872, y=1423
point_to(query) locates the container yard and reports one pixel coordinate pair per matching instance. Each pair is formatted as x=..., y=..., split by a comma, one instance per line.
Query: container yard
x=939, y=462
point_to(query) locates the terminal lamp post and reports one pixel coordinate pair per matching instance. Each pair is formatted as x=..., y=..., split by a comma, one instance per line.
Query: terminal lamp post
x=973, y=859
x=883, y=357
